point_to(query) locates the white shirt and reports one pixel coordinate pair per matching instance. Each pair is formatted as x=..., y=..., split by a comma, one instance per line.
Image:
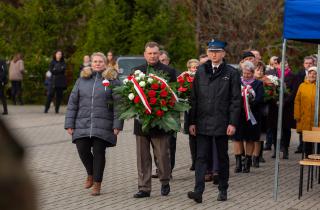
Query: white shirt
x=215, y=66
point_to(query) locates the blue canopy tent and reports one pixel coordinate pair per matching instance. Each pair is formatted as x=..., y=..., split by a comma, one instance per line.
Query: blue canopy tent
x=301, y=23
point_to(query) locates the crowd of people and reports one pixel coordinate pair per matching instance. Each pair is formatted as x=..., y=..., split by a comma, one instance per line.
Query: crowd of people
x=226, y=104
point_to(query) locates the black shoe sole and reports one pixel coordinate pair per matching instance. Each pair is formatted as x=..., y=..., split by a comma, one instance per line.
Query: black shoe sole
x=141, y=196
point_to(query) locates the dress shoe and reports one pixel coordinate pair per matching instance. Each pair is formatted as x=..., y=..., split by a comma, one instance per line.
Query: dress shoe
x=208, y=178
x=197, y=197
x=96, y=188
x=89, y=182
x=5, y=113
x=165, y=189
x=141, y=194
x=216, y=179
x=223, y=196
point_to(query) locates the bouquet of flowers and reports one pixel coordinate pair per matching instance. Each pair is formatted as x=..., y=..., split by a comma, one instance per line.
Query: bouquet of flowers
x=151, y=100
x=271, y=86
x=185, y=81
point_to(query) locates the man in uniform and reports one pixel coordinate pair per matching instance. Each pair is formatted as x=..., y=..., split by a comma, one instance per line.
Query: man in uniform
x=157, y=137
x=215, y=110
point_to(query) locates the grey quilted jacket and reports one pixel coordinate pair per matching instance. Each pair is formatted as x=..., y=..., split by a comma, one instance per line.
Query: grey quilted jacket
x=91, y=111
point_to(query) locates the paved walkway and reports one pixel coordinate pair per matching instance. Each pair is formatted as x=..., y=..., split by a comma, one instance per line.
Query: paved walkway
x=59, y=175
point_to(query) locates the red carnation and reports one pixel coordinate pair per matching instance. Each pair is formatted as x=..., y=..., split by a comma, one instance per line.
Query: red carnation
x=182, y=89
x=152, y=93
x=189, y=79
x=153, y=101
x=163, y=86
x=163, y=102
x=163, y=93
x=147, y=112
x=136, y=99
x=159, y=113
x=180, y=79
x=129, y=77
x=171, y=103
x=155, y=86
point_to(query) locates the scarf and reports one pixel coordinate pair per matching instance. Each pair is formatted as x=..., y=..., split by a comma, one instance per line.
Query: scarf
x=247, y=81
x=287, y=72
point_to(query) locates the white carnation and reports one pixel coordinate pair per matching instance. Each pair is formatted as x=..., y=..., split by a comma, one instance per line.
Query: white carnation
x=142, y=83
x=150, y=80
x=138, y=78
x=125, y=81
x=131, y=96
x=137, y=72
x=142, y=75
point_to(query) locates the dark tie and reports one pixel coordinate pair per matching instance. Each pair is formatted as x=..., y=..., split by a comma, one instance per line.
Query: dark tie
x=215, y=69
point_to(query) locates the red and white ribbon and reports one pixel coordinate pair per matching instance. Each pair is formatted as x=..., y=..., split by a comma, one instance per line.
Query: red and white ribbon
x=106, y=84
x=246, y=91
x=141, y=94
x=166, y=84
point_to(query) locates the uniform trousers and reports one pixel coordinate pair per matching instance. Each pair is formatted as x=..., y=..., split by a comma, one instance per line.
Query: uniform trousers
x=203, y=146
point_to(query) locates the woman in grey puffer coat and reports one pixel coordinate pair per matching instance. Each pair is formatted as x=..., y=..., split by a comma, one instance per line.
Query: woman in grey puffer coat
x=91, y=118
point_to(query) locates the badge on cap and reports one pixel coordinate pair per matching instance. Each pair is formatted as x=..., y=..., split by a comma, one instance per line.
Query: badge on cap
x=216, y=45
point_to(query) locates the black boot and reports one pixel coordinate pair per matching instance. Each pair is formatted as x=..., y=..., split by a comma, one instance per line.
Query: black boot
x=255, y=161
x=247, y=164
x=238, y=168
x=285, y=153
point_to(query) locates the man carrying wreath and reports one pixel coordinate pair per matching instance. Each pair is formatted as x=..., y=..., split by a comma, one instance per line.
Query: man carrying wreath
x=155, y=136
x=214, y=115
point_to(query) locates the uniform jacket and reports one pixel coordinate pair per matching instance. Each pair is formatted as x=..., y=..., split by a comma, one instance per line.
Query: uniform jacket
x=90, y=110
x=171, y=73
x=304, y=106
x=215, y=99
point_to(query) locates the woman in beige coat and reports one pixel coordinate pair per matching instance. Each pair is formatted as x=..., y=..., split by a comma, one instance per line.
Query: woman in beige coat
x=16, y=71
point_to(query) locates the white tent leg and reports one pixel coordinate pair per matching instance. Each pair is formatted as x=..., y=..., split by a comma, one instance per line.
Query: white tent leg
x=279, y=128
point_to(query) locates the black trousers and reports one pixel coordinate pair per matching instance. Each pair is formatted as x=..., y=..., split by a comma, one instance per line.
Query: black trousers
x=16, y=91
x=285, y=138
x=94, y=161
x=193, y=149
x=203, y=145
x=58, y=92
x=3, y=99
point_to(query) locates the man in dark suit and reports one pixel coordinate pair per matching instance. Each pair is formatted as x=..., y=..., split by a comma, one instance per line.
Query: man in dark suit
x=301, y=75
x=3, y=82
x=157, y=137
x=214, y=115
